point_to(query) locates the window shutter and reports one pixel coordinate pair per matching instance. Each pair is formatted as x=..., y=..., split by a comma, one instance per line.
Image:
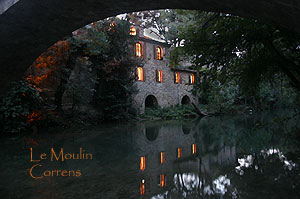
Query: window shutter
x=180, y=79
x=134, y=49
x=144, y=50
x=156, y=76
x=136, y=74
x=154, y=52
x=195, y=78
x=144, y=75
x=174, y=77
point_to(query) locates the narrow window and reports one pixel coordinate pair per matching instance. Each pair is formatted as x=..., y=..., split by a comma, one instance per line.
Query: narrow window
x=159, y=53
x=162, y=157
x=140, y=74
x=143, y=163
x=179, y=152
x=159, y=76
x=162, y=179
x=194, y=150
x=142, y=187
x=177, y=78
x=191, y=78
x=138, y=49
x=112, y=26
x=132, y=31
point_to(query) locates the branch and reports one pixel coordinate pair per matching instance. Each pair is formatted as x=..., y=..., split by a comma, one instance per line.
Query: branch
x=295, y=82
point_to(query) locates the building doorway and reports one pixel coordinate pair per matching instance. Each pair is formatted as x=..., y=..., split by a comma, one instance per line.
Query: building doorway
x=151, y=101
x=185, y=100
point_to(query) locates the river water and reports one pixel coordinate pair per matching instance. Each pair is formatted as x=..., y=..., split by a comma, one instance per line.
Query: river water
x=245, y=156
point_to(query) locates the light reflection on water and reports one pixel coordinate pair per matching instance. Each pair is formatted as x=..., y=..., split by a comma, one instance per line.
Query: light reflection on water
x=222, y=157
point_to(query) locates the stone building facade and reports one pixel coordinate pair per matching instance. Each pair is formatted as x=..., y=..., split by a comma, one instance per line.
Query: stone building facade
x=158, y=83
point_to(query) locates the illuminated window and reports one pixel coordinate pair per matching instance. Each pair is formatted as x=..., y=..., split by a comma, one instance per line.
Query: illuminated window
x=177, y=78
x=112, y=26
x=159, y=76
x=142, y=187
x=191, y=78
x=159, y=53
x=179, y=152
x=138, y=49
x=142, y=163
x=132, y=31
x=162, y=157
x=194, y=150
x=140, y=74
x=162, y=180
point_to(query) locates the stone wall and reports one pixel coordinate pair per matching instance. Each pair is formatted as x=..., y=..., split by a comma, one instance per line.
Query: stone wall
x=29, y=27
x=167, y=92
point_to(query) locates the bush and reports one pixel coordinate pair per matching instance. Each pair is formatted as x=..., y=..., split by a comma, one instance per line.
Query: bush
x=222, y=97
x=173, y=112
x=19, y=107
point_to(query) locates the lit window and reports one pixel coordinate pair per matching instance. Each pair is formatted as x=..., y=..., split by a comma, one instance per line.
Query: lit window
x=194, y=150
x=112, y=26
x=132, y=31
x=179, y=153
x=159, y=76
x=177, y=78
x=142, y=187
x=162, y=157
x=162, y=179
x=138, y=49
x=142, y=163
x=159, y=53
x=140, y=74
x=191, y=78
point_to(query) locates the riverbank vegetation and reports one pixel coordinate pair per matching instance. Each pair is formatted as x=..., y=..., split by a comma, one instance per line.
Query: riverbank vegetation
x=84, y=79
x=242, y=65
x=177, y=112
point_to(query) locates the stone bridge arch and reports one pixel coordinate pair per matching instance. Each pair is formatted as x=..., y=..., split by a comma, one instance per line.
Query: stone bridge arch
x=29, y=27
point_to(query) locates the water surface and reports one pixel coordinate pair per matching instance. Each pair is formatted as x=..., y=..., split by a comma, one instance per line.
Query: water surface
x=246, y=156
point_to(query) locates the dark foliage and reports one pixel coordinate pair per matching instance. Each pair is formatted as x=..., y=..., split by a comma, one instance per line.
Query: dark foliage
x=19, y=107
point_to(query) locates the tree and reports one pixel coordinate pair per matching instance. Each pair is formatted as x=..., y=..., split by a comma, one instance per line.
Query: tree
x=231, y=51
x=244, y=49
x=108, y=45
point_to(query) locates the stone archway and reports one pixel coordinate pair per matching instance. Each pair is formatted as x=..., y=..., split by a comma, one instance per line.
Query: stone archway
x=185, y=100
x=151, y=101
x=152, y=132
x=29, y=27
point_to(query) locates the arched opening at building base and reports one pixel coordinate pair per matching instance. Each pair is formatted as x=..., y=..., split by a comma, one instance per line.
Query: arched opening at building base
x=151, y=102
x=185, y=100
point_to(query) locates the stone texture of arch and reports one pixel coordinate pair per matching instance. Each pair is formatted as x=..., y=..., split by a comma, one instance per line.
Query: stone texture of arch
x=29, y=27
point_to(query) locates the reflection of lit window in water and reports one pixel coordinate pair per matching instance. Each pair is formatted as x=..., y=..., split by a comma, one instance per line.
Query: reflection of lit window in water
x=194, y=150
x=142, y=187
x=162, y=157
x=162, y=180
x=143, y=163
x=179, y=152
